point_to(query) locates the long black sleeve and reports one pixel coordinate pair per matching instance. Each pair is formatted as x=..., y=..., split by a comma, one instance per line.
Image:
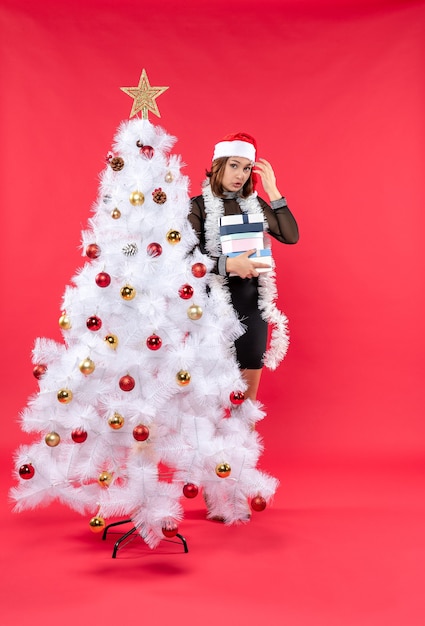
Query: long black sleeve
x=282, y=224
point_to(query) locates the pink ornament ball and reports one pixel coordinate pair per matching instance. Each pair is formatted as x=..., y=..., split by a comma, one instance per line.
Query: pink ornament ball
x=199, y=270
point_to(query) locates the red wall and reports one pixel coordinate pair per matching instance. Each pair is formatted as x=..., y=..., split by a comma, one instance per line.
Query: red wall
x=334, y=93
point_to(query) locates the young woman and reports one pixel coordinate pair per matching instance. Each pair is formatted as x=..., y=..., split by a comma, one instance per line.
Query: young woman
x=230, y=190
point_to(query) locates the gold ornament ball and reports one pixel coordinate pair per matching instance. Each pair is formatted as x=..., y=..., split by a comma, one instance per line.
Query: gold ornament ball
x=105, y=479
x=183, y=378
x=223, y=470
x=64, y=322
x=173, y=237
x=64, y=396
x=116, y=421
x=97, y=524
x=116, y=214
x=128, y=292
x=137, y=198
x=52, y=439
x=169, y=177
x=194, y=312
x=112, y=341
x=87, y=366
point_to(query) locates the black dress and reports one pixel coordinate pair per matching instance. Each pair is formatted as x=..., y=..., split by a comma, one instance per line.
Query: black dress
x=251, y=346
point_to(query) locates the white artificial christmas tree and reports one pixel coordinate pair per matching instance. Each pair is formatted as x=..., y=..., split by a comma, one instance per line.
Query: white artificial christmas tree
x=142, y=404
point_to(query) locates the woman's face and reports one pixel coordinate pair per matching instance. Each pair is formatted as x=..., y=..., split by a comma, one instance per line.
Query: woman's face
x=236, y=172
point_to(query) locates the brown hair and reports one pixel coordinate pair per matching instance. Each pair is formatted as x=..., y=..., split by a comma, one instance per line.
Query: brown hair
x=216, y=179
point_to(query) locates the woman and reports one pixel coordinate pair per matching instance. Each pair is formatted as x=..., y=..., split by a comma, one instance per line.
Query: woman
x=230, y=190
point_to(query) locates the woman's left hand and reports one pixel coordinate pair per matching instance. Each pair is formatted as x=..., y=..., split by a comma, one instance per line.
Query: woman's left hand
x=268, y=178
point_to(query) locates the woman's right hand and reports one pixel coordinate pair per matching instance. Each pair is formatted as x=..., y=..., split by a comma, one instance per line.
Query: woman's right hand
x=243, y=266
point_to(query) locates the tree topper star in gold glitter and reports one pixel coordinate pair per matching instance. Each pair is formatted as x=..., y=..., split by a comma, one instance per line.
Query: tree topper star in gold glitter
x=144, y=96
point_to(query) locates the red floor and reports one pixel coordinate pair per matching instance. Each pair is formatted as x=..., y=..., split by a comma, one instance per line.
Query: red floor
x=339, y=547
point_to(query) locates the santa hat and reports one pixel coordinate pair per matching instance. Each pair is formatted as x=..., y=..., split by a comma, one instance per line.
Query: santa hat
x=236, y=145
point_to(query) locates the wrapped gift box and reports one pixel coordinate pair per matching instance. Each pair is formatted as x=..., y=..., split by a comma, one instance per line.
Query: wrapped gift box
x=239, y=233
x=244, y=218
x=240, y=242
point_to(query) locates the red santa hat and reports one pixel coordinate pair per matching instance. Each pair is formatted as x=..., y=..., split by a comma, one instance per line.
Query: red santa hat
x=236, y=145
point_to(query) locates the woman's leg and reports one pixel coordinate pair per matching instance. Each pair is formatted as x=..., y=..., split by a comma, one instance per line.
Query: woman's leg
x=252, y=379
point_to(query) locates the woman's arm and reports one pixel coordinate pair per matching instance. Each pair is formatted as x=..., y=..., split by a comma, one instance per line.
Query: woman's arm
x=197, y=219
x=282, y=224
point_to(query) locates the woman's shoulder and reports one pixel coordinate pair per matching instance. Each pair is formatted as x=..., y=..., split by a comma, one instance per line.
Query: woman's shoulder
x=262, y=201
x=198, y=200
x=197, y=206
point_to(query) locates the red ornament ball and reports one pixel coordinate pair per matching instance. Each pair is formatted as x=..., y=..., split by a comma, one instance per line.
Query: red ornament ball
x=154, y=249
x=93, y=251
x=237, y=397
x=258, y=503
x=79, y=435
x=186, y=292
x=39, y=370
x=190, y=490
x=170, y=529
x=154, y=342
x=141, y=432
x=199, y=270
x=26, y=471
x=127, y=383
x=103, y=279
x=94, y=323
x=147, y=151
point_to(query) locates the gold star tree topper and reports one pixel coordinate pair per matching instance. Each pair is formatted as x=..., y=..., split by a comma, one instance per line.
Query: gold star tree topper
x=144, y=96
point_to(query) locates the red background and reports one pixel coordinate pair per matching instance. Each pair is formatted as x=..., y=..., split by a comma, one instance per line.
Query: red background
x=334, y=92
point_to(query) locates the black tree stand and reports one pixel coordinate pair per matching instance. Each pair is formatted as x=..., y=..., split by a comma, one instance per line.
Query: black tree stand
x=129, y=533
